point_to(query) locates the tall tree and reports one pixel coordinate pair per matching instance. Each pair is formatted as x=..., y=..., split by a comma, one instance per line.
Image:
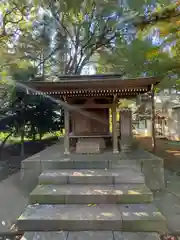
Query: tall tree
x=77, y=32
x=15, y=19
x=163, y=24
x=84, y=28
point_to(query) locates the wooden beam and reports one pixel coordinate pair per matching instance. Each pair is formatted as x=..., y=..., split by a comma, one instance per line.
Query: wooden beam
x=93, y=106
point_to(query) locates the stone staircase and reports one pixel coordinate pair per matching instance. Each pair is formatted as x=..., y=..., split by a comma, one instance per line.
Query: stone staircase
x=79, y=204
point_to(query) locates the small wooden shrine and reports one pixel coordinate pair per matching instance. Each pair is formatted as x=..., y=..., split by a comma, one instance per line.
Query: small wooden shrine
x=89, y=99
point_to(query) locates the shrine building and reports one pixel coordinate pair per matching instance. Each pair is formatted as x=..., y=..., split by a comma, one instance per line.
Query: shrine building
x=88, y=101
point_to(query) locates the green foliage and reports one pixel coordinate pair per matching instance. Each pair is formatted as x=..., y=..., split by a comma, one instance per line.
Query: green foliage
x=135, y=59
x=22, y=73
x=139, y=5
x=15, y=20
x=140, y=57
x=33, y=115
x=164, y=21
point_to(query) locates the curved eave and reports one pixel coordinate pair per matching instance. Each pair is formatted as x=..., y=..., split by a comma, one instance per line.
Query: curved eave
x=95, y=86
x=95, y=92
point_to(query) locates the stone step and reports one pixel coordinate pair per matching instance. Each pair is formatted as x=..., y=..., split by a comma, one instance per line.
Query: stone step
x=107, y=217
x=94, y=176
x=90, y=235
x=67, y=163
x=87, y=194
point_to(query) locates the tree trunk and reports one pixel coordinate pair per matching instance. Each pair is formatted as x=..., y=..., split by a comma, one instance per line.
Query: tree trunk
x=22, y=142
x=33, y=133
x=43, y=64
x=34, y=136
x=40, y=136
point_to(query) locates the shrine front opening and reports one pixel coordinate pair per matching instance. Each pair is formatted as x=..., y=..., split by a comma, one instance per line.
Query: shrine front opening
x=92, y=98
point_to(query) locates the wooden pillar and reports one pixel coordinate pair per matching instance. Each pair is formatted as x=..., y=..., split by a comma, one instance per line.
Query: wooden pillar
x=114, y=129
x=66, y=136
x=153, y=119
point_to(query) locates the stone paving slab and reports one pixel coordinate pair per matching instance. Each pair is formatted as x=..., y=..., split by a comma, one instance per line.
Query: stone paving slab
x=173, y=222
x=61, y=235
x=169, y=205
x=13, y=200
x=85, y=194
x=140, y=217
x=89, y=235
x=93, y=176
x=174, y=186
x=135, y=236
x=132, y=217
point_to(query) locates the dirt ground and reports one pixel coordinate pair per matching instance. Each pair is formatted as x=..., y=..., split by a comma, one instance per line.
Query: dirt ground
x=10, y=155
x=168, y=150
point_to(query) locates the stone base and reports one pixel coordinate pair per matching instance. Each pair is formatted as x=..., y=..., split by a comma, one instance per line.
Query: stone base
x=90, y=145
x=125, y=148
x=126, y=144
x=153, y=170
x=66, y=153
x=115, y=151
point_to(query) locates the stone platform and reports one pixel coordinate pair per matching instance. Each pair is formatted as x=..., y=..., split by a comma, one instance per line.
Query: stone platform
x=53, y=158
x=90, y=197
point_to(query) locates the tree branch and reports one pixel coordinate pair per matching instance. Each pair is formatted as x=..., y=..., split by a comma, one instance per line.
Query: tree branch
x=89, y=26
x=166, y=14
x=60, y=24
x=49, y=56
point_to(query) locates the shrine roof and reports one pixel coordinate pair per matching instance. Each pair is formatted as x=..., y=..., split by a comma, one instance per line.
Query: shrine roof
x=106, y=84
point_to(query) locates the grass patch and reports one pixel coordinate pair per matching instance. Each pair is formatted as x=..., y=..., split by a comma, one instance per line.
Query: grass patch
x=13, y=139
x=171, y=142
